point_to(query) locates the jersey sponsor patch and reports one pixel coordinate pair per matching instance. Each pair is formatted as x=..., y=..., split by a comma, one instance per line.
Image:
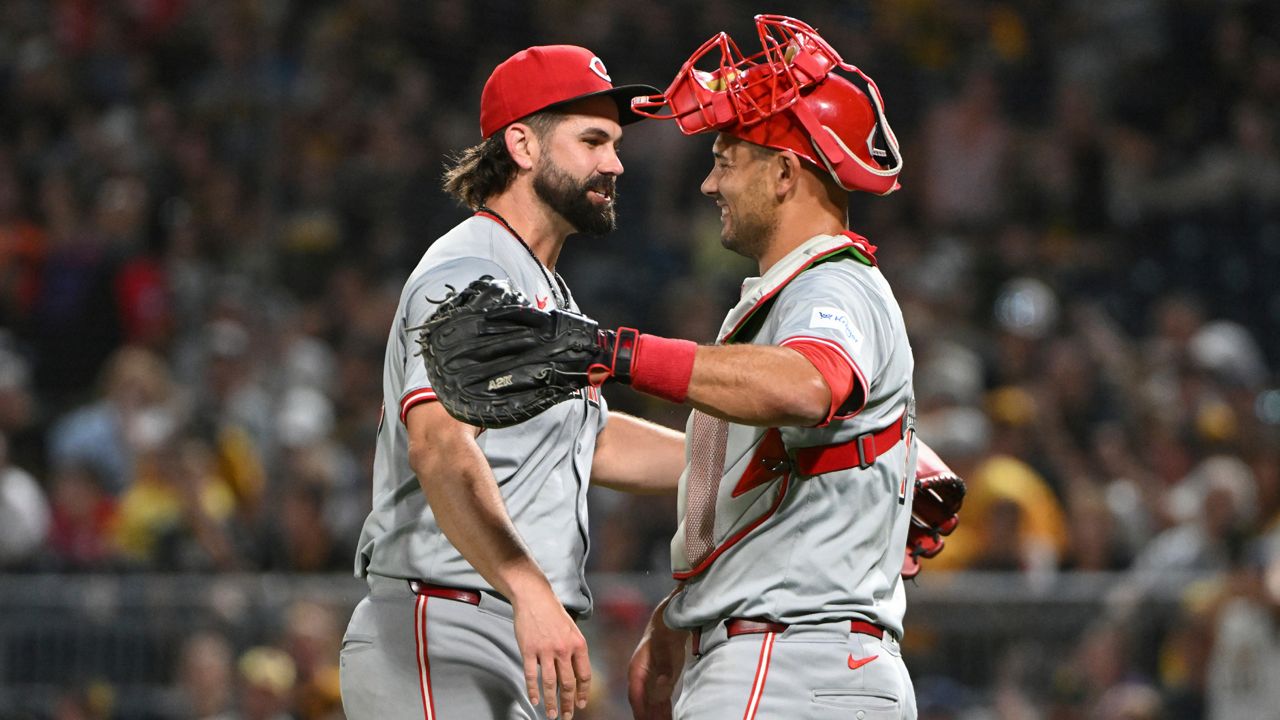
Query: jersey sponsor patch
x=835, y=319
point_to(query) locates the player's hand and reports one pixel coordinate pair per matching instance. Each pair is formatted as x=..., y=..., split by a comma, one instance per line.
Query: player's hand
x=549, y=639
x=655, y=666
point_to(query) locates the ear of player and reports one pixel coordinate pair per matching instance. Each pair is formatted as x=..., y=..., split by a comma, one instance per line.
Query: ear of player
x=495, y=361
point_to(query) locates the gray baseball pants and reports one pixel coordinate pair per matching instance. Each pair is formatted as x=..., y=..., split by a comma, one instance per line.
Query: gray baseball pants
x=806, y=672
x=407, y=655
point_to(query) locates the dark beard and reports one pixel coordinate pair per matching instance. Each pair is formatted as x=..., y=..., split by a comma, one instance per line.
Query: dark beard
x=751, y=233
x=568, y=197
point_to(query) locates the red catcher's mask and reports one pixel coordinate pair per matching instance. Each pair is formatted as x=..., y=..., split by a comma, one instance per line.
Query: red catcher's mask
x=787, y=97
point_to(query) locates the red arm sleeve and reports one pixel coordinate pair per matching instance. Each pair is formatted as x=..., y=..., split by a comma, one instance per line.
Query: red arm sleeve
x=834, y=365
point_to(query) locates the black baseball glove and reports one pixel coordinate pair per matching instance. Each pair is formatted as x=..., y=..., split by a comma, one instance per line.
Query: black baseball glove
x=495, y=361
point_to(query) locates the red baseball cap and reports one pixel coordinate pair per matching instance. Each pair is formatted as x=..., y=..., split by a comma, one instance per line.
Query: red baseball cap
x=540, y=77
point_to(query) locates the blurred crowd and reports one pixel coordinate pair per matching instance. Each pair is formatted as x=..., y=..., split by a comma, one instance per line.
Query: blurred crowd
x=207, y=211
x=229, y=670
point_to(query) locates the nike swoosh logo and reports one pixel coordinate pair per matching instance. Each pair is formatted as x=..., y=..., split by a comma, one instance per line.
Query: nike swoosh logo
x=542, y=303
x=855, y=664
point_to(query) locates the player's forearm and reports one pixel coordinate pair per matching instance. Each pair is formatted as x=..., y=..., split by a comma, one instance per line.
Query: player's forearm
x=657, y=621
x=760, y=385
x=637, y=456
x=660, y=635
x=464, y=497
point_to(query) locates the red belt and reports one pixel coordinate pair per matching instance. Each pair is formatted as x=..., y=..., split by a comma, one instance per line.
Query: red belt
x=746, y=626
x=470, y=597
x=462, y=595
x=861, y=452
x=862, y=627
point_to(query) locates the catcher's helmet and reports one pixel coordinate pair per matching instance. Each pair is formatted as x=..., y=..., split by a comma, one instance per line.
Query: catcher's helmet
x=787, y=97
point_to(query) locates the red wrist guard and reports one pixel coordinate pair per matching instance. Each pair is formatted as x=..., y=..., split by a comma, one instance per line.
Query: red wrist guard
x=663, y=367
x=651, y=364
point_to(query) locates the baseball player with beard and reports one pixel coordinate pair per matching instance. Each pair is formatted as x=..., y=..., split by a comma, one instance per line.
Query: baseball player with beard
x=474, y=550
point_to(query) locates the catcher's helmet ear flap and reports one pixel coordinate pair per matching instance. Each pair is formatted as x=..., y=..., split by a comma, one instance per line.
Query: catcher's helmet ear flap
x=839, y=128
x=787, y=97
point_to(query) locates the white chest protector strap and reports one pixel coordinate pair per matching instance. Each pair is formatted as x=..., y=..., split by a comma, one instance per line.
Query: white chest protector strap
x=757, y=293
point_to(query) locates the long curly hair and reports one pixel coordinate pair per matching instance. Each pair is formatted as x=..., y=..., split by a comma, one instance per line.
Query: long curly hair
x=486, y=169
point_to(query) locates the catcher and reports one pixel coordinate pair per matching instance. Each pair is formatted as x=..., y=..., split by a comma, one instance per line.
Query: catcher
x=794, y=505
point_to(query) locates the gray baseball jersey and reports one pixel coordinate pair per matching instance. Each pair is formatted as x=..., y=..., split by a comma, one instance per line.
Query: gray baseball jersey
x=808, y=551
x=793, y=549
x=542, y=468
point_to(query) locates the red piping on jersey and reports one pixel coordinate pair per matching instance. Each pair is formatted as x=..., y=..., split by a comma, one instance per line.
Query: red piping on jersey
x=857, y=371
x=862, y=379
x=823, y=341
x=491, y=216
x=762, y=674
x=856, y=243
x=835, y=367
x=424, y=665
x=769, y=463
x=706, y=562
x=414, y=397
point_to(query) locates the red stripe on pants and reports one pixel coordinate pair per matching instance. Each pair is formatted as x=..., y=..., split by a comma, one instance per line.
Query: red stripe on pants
x=762, y=672
x=424, y=666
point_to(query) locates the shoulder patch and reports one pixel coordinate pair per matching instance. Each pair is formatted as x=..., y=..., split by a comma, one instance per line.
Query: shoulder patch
x=835, y=319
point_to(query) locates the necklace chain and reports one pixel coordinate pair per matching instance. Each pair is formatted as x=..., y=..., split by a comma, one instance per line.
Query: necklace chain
x=548, y=274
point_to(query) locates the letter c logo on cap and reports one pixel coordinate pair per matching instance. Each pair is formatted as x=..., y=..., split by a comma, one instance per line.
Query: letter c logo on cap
x=597, y=67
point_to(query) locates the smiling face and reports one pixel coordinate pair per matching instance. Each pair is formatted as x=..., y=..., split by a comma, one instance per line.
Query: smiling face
x=577, y=173
x=738, y=182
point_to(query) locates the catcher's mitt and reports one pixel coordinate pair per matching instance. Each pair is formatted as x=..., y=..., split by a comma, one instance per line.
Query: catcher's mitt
x=938, y=495
x=494, y=361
